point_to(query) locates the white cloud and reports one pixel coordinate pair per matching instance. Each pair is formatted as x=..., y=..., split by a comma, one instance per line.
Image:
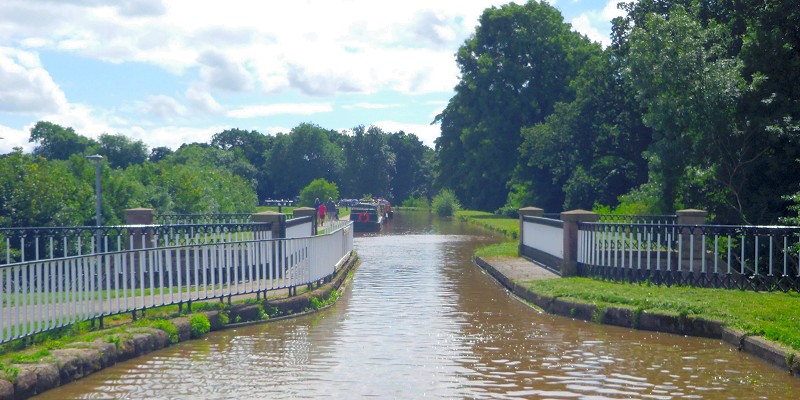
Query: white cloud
x=223, y=73
x=276, y=109
x=426, y=133
x=12, y=138
x=173, y=136
x=164, y=107
x=202, y=101
x=584, y=25
x=370, y=106
x=25, y=86
x=596, y=25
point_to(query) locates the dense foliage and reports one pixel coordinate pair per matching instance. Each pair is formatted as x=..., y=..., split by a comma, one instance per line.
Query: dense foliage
x=695, y=104
x=54, y=186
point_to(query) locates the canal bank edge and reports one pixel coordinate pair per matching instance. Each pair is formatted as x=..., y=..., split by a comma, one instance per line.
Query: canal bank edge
x=81, y=359
x=774, y=353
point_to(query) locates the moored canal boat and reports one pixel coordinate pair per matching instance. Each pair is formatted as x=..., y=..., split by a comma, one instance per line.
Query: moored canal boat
x=367, y=216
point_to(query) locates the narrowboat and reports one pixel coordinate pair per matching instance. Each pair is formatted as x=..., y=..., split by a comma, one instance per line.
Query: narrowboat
x=367, y=217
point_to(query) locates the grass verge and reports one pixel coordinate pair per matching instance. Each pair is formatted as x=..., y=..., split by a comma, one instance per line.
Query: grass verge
x=773, y=315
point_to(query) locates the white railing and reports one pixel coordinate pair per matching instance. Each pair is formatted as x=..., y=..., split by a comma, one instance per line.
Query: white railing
x=724, y=256
x=44, y=243
x=41, y=295
x=542, y=240
x=300, y=227
x=544, y=237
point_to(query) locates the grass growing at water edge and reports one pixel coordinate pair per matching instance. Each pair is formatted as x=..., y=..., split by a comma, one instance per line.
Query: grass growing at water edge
x=505, y=249
x=773, y=315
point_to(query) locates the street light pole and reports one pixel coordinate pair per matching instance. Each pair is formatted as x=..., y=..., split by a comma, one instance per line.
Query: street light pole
x=98, y=209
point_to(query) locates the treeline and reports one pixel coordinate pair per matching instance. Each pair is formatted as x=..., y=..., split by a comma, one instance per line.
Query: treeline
x=54, y=185
x=695, y=104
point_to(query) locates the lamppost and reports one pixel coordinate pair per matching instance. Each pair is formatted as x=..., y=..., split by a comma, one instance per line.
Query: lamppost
x=98, y=209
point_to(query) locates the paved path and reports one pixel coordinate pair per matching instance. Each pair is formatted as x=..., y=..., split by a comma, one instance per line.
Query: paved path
x=519, y=269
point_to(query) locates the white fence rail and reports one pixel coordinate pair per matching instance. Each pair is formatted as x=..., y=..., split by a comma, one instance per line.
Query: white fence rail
x=543, y=240
x=41, y=295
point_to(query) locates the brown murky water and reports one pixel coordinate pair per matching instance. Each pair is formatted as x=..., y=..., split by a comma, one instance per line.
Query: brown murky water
x=420, y=320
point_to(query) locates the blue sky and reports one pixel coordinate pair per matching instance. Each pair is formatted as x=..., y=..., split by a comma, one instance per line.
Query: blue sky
x=169, y=72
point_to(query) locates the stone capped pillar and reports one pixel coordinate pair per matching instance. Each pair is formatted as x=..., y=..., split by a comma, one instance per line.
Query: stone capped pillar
x=140, y=216
x=531, y=211
x=569, y=264
x=278, y=221
x=691, y=238
x=307, y=212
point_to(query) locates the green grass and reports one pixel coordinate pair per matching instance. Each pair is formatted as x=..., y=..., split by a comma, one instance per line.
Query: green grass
x=505, y=249
x=775, y=316
x=508, y=227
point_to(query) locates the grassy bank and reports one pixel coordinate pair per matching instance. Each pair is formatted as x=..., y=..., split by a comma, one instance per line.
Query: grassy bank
x=508, y=227
x=774, y=315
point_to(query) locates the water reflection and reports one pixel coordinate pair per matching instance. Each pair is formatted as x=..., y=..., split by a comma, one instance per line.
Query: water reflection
x=420, y=320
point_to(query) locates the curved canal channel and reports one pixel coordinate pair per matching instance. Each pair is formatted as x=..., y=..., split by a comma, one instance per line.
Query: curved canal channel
x=419, y=319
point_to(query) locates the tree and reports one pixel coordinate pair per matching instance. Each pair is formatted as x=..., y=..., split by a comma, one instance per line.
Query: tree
x=514, y=69
x=370, y=165
x=588, y=150
x=689, y=89
x=38, y=192
x=252, y=146
x=303, y=155
x=121, y=151
x=318, y=189
x=159, y=153
x=55, y=142
x=412, y=173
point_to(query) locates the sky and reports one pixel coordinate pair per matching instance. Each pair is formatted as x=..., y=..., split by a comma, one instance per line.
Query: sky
x=169, y=72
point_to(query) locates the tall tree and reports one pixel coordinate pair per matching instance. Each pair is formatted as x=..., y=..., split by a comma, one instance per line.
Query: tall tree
x=514, y=69
x=589, y=150
x=252, y=146
x=121, y=151
x=689, y=88
x=301, y=156
x=38, y=192
x=370, y=164
x=54, y=142
x=412, y=166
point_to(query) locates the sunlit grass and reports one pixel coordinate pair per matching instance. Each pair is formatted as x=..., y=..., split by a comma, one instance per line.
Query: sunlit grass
x=508, y=227
x=774, y=315
x=505, y=249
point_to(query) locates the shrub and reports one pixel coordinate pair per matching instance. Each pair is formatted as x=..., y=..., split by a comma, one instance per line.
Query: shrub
x=445, y=203
x=200, y=325
x=418, y=201
x=168, y=327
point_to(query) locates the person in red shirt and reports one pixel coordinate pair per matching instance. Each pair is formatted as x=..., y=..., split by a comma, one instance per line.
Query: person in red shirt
x=321, y=211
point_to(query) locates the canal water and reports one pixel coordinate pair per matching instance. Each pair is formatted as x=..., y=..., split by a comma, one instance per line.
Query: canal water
x=420, y=320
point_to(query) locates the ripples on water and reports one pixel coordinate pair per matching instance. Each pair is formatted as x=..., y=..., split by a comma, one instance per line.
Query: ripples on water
x=420, y=320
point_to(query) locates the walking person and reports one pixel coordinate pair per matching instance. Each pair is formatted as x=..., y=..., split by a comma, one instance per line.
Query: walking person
x=321, y=213
x=330, y=209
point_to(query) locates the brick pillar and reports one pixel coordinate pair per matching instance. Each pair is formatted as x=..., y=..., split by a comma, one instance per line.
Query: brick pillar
x=691, y=247
x=140, y=216
x=278, y=221
x=569, y=264
x=307, y=212
x=532, y=211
